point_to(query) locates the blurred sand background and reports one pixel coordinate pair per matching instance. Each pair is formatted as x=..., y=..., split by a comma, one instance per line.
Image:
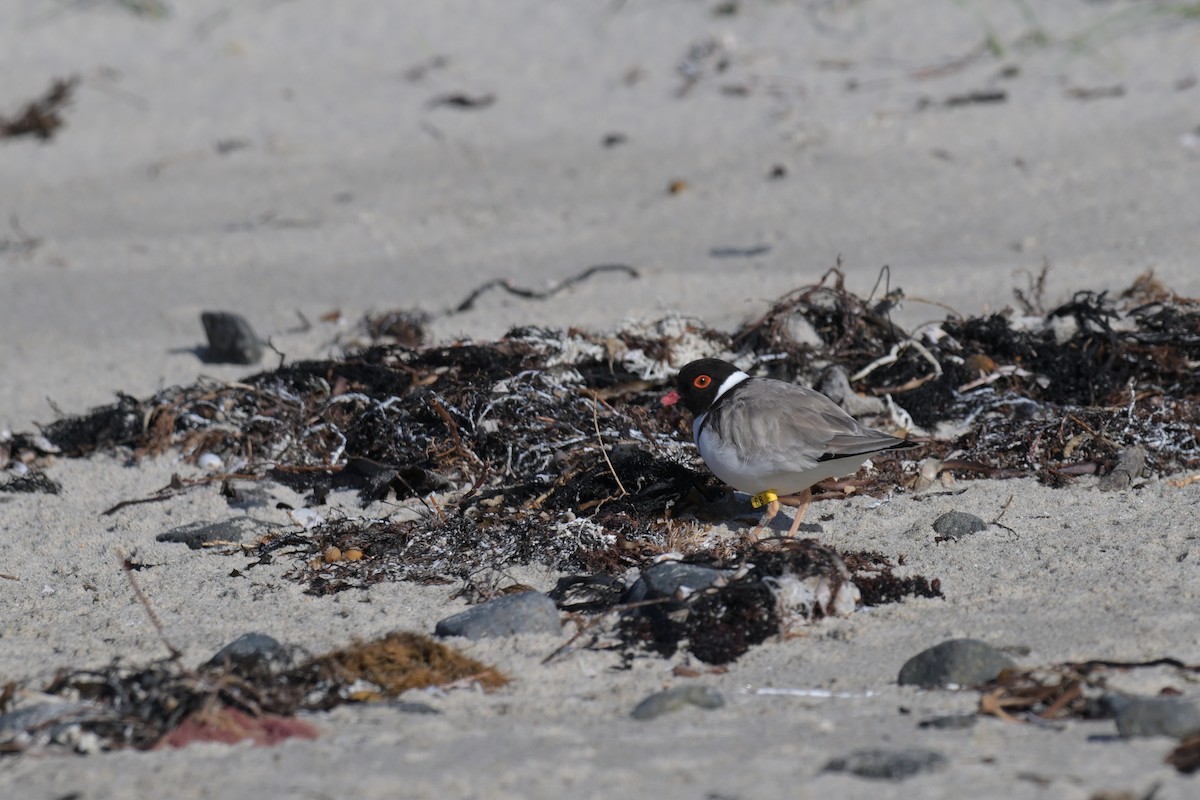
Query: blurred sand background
x=272, y=157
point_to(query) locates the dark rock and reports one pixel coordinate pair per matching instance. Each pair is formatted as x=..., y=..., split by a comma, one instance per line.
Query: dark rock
x=197, y=534
x=252, y=654
x=891, y=765
x=667, y=578
x=670, y=700
x=957, y=524
x=527, y=612
x=231, y=340
x=949, y=722
x=957, y=662
x=1153, y=716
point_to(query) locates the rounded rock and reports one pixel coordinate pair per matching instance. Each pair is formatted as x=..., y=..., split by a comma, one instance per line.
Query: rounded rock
x=957, y=524
x=955, y=662
x=527, y=612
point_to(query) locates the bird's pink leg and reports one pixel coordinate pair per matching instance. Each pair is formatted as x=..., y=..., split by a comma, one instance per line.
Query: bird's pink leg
x=801, y=501
x=768, y=515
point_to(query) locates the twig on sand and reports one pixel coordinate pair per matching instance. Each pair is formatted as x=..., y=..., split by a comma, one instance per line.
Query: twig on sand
x=175, y=652
x=533, y=294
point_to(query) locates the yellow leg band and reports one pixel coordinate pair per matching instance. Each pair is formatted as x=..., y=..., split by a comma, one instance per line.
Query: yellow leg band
x=762, y=498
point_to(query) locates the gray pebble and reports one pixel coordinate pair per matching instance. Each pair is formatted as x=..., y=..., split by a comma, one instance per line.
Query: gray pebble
x=892, y=765
x=1153, y=716
x=231, y=340
x=957, y=524
x=958, y=662
x=527, y=612
x=670, y=700
x=1130, y=463
x=197, y=534
x=252, y=653
x=667, y=578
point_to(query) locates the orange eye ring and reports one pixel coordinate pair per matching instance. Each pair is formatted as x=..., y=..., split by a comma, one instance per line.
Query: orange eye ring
x=702, y=382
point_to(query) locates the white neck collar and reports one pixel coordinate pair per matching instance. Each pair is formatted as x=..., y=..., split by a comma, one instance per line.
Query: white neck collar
x=730, y=382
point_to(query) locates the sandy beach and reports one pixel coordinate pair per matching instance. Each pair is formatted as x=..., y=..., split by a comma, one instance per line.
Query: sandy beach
x=304, y=164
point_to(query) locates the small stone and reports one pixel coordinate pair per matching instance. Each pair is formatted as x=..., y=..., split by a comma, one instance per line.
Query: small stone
x=891, y=765
x=527, y=612
x=251, y=653
x=1153, y=716
x=670, y=700
x=209, y=462
x=955, y=662
x=949, y=722
x=670, y=579
x=231, y=340
x=957, y=524
x=1130, y=463
x=198, y=534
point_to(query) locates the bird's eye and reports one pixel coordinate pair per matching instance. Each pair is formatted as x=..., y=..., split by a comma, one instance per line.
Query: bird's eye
x=702, y=382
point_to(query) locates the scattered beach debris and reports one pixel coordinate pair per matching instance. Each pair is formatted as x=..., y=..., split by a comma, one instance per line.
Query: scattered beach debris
x=41, y=118
x=717, y=612
x=550, y=447
x=251, y=689
x=1081, y=691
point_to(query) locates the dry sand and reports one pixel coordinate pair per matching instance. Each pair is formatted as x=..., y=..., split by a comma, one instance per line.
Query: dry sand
x=274, y=157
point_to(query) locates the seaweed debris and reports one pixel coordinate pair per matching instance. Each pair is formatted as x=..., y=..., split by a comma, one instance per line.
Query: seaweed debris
x=162, y=703
x=41, y=118
x=550, y=446
x=762, y=589
x=1082, y=691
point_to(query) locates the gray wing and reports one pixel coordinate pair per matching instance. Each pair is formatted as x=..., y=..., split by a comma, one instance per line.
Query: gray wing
x=793, y=427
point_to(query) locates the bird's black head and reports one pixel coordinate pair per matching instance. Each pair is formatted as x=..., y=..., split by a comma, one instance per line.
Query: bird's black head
x=698, y=383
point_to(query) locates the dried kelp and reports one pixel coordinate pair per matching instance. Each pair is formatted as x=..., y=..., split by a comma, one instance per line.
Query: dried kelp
x=551, y=447
x=1081, y=691
x=762, y=589
x=163, y=703
x=41, y=118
